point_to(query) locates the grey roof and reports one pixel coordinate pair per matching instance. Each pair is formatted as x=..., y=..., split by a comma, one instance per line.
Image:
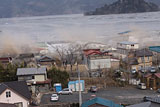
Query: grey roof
x=145, y=104
x=31, y=71
x=146, y=53
x=18, y=86
x=127, y=43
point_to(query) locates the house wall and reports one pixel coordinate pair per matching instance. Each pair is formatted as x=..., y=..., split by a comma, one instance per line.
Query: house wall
x=15, y=98
x=125, y=46
x=39, y=78
x=99, y=64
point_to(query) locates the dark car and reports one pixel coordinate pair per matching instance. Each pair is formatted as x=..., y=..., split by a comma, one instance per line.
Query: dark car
x=93, y=89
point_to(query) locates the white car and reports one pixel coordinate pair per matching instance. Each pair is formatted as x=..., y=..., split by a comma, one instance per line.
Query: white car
x=54, y=97
x=142, y=86
x=65, y=91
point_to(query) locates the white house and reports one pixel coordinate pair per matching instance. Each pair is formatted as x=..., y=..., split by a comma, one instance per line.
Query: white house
x=125, y=47
x=15, y=93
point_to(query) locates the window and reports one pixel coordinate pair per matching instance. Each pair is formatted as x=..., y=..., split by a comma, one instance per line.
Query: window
x=142, y=58
x=8, y=94
x=132, y=45
x=33, y=77
x=20, y=104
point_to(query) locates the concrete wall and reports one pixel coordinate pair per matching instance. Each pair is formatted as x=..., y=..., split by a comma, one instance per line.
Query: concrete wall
x=15, y=98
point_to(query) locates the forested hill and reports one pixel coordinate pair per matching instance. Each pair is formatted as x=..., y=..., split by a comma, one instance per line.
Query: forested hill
x=125, y=6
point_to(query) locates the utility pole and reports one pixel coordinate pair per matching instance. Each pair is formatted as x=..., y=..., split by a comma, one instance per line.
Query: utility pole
x=80, y=94
x=144, y=61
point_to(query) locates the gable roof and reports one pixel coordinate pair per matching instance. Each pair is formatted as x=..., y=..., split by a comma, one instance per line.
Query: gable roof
x=7, y=105
x=31, y=71
x=19, y=87
x=100, y=101
x=88, y=52
x=46, y=59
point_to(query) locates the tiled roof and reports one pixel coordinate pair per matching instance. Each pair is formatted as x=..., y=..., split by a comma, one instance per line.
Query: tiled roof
x=18, y=86
x=31, y=71
x=145, y=104
x=91, y=51
x=157, y=75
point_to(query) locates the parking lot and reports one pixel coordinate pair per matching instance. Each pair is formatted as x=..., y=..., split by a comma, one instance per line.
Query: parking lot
x=127, y=95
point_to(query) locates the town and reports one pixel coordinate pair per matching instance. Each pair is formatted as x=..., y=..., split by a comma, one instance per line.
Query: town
x=81, y=74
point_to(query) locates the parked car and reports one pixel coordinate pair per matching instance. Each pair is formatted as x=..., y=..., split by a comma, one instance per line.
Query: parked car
x=153, y=70
x=54, y=97
x=158, y=90
x=142, y=86
x=93, y=89
x=65, y=91
x=133, y=71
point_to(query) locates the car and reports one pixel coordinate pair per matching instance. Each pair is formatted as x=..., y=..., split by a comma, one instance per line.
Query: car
x=93, y=89
x=142, y=86
x=133, y=71
x=65, y=91
x=54, y=97
x=158, y=90
x=153, y=70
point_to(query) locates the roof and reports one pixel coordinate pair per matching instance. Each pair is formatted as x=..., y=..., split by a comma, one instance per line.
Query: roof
x=157, y=75
x=45, y=59
x=31, y=71
x=153, y=99
x=155, y=48
x=100, y=101
x=127, y=43
x=145, y=104
x=18, y=86
x=91, y=51
x=7, y=105
x=143, y=52
x=133, y=61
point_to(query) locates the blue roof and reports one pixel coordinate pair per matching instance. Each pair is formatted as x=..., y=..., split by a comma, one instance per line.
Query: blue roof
x=127, y=43
x=81, y=81
x=155, y=48
x=100, y=101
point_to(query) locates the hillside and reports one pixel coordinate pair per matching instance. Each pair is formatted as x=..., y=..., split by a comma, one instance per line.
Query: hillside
x=125, y=6
x=16, y=8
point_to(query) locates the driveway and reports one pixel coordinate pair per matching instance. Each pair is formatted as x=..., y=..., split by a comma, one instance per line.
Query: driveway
x=119, y=95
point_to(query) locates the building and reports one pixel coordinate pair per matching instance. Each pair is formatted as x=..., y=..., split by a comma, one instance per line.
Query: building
x=100, y=102
x=125, y=47
x=36, y=78
x=156, y=54
x=46, y=61
x=5, y=60
x=94, y=59
x=140, y=60
x=7, y=105
x=16, y=93
x=152, y=80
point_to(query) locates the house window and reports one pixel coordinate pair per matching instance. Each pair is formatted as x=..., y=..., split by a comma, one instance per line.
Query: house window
x=33, y=77
x=8, y=94
x=142, y=58
x=132, y=45
x=148, y=58
x=20, y=104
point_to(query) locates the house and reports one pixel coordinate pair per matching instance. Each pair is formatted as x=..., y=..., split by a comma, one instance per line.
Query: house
x=15, y=92
x=140, y=59
x=94, y=59
x=156, y=54
x=46, y=61
x=155, y=101
x=125, y=47
x=5, y=60
x=100, y=102
x=152, y=80
x=36, y=78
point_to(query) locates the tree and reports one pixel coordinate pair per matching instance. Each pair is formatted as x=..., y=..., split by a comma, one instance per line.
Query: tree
x=58, y=76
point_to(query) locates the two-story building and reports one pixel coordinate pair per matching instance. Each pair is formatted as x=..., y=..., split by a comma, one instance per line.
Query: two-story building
x=140, y=59
x=36, y=78
x=125, y=47
x=15, y=93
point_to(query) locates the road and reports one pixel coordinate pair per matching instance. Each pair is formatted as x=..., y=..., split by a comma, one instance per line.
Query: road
x=119, y=95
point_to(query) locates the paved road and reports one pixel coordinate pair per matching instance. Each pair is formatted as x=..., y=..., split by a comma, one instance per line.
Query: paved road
x=118, y=95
